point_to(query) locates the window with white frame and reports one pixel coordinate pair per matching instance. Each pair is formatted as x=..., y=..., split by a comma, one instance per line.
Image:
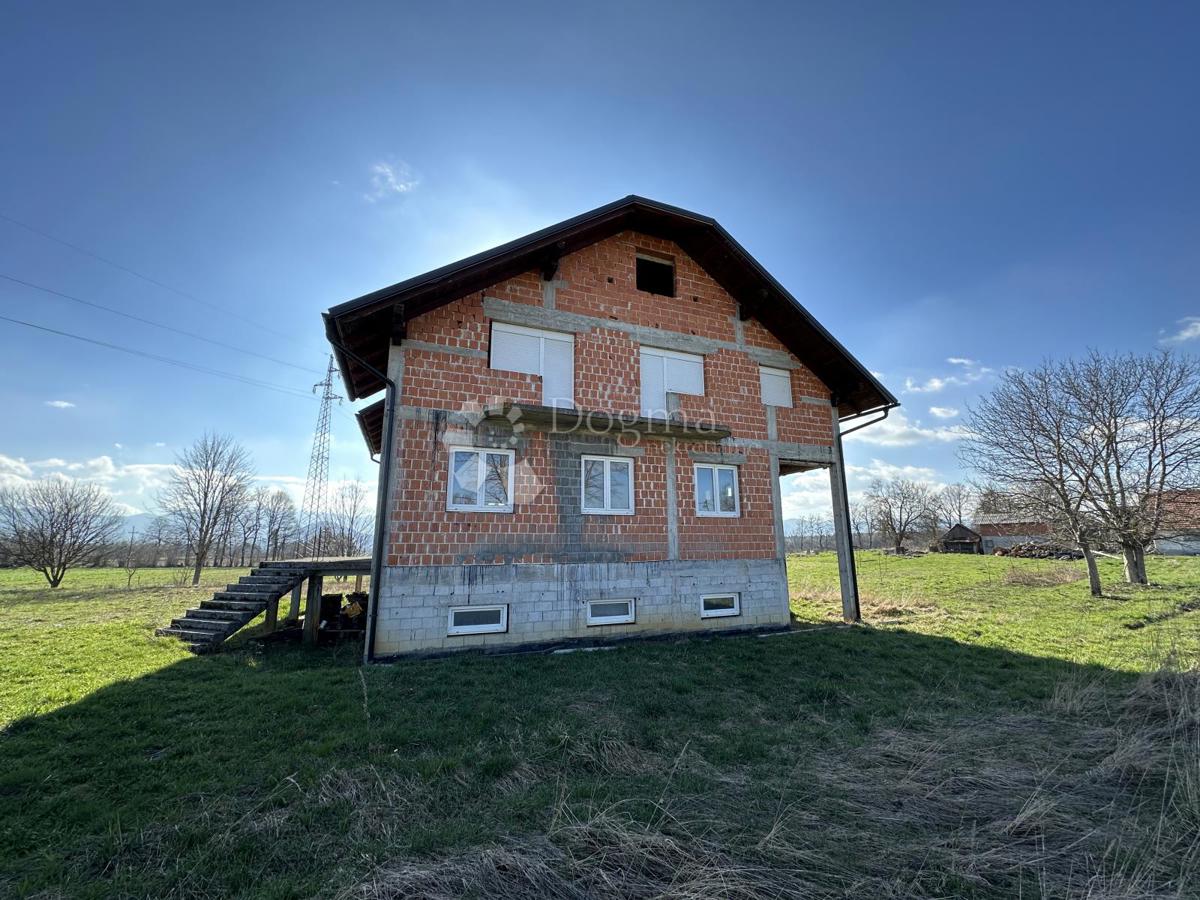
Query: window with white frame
x=606, y=485
x=715, y=606
x=477, y=619
x=480, y=480
x=717, y=491
x=776, y=386
x=550, y=354
x=610, y=612
x=668, y=372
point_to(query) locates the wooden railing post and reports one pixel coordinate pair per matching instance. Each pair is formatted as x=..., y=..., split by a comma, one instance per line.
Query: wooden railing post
x=312, y=610
x=294, y=609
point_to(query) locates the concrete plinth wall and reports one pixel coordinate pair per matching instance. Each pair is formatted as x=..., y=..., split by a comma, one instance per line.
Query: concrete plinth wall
x=548, y=603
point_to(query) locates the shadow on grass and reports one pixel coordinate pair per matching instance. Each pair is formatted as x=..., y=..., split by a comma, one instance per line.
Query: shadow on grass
x=252, y=772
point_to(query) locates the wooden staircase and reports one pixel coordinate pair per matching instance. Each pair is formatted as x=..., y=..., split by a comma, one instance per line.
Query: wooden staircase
x=206, y=626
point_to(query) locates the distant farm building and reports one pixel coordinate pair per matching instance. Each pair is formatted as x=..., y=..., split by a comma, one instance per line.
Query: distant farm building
x=1179, y=533
x=1007, y=529
x=961, y=539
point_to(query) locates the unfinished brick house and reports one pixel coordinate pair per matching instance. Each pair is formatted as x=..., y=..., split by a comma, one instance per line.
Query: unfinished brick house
x=582, y=435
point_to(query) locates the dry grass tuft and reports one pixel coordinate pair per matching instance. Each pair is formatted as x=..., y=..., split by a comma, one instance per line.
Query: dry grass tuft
x=1091, y=797
x=605, y=855
x=1043, y=576
x=898, y=602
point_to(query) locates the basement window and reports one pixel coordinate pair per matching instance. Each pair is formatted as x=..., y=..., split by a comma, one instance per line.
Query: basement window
x=606, y=485
x=714, y=606
x=717, y=491
x=610, y=612
x=655, y=276
x=478, y=620
x=480, y=480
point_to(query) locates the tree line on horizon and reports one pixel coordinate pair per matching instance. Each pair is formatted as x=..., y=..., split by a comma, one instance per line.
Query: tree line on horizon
x=212, y=515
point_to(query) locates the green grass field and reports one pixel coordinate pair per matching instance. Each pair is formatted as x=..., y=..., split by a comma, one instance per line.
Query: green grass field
x=991, y=732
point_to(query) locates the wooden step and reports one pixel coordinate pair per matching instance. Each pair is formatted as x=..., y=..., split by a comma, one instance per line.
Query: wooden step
x=214, y=625
x=242, y=588
x=191, y=635
x=233, y=604
x=252, y=596
x=269, y=580
x=217, y=615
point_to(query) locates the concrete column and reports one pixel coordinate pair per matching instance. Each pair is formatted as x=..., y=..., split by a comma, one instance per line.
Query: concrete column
x=842, y=536
x=294, y=609
x=672, y=502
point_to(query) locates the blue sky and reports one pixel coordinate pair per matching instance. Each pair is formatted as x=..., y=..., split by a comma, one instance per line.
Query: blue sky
x=936, y=182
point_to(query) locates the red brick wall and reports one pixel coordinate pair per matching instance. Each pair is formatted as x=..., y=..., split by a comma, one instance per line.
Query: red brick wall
x=751, y=535
x=543, y=528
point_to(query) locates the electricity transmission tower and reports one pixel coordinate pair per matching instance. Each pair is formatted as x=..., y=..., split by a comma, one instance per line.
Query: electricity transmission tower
x=312, y=510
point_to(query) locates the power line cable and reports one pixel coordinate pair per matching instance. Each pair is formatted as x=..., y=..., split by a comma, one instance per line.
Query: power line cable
x=151, y=322
x=232, y=376
x=136, y=274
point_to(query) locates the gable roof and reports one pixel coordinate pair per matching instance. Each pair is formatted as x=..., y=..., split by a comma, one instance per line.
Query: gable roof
x=961, y=532
x=366, y=326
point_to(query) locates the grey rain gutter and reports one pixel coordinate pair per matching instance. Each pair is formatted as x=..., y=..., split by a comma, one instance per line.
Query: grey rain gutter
x=866, y=412
x=385, y=479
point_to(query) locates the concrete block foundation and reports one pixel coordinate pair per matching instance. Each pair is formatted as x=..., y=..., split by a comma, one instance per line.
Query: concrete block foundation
x=548, y=603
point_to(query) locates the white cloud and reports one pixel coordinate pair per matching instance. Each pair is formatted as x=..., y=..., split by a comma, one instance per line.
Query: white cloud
x=1189, y=330
x=60, y=404
x=389, y=179
x=970, y=374
x=119, y=446
x=897, y=431
x=133, y=487
x=943, y=412
x=862, y=476
x=931, y=386
x=160, y=444
x=808, y=493
x=13, y=472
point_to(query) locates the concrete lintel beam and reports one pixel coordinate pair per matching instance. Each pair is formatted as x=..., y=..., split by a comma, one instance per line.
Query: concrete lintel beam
x=722, y=459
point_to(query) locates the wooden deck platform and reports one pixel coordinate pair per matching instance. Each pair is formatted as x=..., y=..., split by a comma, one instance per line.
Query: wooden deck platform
x=324, y=565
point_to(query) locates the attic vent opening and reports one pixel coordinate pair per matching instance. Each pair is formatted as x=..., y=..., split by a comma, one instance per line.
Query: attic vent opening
x=655, y=276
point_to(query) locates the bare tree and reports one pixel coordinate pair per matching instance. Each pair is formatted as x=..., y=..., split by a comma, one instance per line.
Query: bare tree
x=157, y=538
x=862, y=524
x=210, y=479
x=250, y=522
x=900, y=508
x=279, y=522
x=131, y=558
x=349, y=520
x=955, y=503
x=1023, y=438
x=1140, y=438
x=54, y=524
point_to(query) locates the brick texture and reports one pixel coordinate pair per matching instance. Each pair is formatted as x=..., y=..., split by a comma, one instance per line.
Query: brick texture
x=445, y=372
